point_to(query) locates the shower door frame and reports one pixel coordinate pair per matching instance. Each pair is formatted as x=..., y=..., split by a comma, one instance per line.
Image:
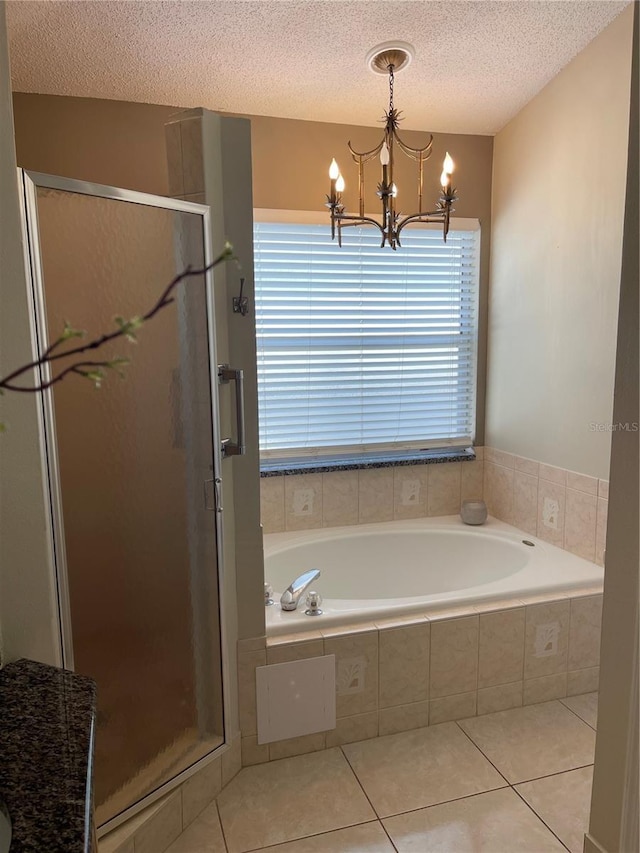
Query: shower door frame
x=29, y=182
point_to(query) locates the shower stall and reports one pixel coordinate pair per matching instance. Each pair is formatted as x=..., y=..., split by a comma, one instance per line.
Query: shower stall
x=134, y=471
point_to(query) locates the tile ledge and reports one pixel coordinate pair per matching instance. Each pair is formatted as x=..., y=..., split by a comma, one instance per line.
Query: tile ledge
x=293, y=639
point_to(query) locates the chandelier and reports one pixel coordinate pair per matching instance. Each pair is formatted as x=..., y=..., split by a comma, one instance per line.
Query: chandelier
x=389, y=58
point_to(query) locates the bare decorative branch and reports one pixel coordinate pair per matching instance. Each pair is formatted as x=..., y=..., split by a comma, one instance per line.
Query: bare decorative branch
x=96, y=370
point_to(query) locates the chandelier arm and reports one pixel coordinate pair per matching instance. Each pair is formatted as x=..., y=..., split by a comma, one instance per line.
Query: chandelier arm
x=345, y=220
x=433, y=217
x=427, y=216
x=361, y=220
x=366, y=155
x=415, y=153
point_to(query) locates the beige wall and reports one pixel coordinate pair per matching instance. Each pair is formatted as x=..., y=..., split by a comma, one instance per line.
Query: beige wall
x=558, y=202
x=291, y=163
x=28, y=610
x=109, y=142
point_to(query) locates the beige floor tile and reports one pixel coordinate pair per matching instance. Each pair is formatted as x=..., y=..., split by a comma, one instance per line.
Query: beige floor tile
x=563, y=803
x=365, y=838
x=290, y=799
x=419, y=768
x=497, y=822
x=203, y=836
x=537, y=740
x=585, y=706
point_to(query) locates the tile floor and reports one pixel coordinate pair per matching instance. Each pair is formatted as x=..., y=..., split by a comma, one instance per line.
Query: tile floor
x=516, y=781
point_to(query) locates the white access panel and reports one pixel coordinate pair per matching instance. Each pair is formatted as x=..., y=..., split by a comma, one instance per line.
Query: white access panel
x=296, y=698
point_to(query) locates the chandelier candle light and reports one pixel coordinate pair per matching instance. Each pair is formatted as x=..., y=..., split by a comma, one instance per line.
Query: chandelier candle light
x=389, y=58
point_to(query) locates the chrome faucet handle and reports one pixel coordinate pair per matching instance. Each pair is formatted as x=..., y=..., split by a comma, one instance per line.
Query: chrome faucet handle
x=313, y=602
x=268, y=593
x=291, y=596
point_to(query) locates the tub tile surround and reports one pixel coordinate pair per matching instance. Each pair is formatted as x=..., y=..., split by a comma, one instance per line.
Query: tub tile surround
x=435, y=668
x=461, y=662
x=337, y=498
x=403, y=665
x=501, y=647
x=454, y=661
x=566, y=508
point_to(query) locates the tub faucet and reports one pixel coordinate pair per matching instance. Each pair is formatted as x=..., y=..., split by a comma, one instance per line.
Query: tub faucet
x=291, y=595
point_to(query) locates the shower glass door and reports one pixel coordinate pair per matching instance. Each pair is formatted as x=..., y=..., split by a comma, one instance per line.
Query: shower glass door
x=132, y=468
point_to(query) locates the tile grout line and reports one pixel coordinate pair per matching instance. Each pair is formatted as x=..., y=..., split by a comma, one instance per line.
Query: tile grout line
x=551, y=775
x=313, y=835
x=535, y=813
x=384, y=828
x=431, y=805
x=513, y=788
x=224, y=837
x=473, y=743
x=379, y=819
x=525, y=781
x=569, y=708
x=522, y=781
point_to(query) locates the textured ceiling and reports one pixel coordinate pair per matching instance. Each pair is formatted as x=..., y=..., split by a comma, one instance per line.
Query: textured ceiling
x=477, y=62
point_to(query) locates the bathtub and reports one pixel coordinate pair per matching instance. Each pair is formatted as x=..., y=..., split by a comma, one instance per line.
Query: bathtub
x=395, y=569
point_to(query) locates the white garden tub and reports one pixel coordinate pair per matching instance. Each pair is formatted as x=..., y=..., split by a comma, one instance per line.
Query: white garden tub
x=405, y=568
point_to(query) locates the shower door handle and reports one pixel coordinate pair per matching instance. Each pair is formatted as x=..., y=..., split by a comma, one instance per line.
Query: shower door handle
x=231, y=374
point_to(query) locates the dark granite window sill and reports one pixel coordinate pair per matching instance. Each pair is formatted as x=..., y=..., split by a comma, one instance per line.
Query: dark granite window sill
x=321, y=465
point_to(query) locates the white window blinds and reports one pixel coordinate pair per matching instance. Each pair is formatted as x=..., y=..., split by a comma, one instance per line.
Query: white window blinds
x=363, y=349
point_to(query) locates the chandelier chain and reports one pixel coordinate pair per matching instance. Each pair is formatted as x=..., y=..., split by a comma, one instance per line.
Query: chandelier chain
x=390, y=89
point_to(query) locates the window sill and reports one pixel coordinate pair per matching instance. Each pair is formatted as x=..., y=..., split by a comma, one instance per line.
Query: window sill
x=320, y=465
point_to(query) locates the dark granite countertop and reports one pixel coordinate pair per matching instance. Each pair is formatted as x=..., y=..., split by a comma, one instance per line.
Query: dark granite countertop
x=46, y=757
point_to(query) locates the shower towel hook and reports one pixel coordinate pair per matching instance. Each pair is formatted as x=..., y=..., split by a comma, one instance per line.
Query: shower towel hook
x=241, y=303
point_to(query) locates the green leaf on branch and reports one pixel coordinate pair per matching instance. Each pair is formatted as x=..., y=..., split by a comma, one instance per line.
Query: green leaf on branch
x=118, y=364
x=129, y=327
x=69, y=332
x=95, y=376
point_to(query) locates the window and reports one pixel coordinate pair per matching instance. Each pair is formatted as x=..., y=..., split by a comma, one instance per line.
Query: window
x=362, y=350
